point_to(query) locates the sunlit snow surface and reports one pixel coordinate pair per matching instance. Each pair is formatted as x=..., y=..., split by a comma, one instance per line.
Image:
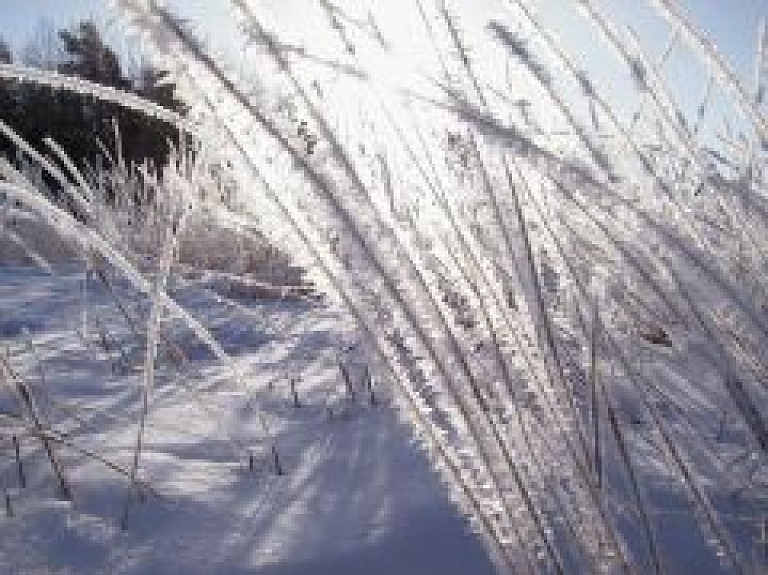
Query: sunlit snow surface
x=563, y=287
x=356, y=496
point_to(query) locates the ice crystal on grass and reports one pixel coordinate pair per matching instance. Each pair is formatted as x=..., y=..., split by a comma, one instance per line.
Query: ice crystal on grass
x=561, y=300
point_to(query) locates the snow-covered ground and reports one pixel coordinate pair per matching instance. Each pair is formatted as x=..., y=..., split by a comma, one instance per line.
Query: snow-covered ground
x=356, y=495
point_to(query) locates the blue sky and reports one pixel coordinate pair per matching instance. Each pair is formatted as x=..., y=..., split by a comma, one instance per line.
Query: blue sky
x=20, y=18
x=731, y=24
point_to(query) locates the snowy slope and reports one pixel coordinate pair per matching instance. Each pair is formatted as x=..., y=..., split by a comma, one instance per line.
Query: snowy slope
x=356, y=496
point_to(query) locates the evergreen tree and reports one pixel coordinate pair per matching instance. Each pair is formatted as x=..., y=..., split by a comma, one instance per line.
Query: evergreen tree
x=75, y=122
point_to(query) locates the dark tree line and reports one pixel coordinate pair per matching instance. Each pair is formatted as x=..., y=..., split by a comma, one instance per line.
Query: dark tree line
x=77, y=122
